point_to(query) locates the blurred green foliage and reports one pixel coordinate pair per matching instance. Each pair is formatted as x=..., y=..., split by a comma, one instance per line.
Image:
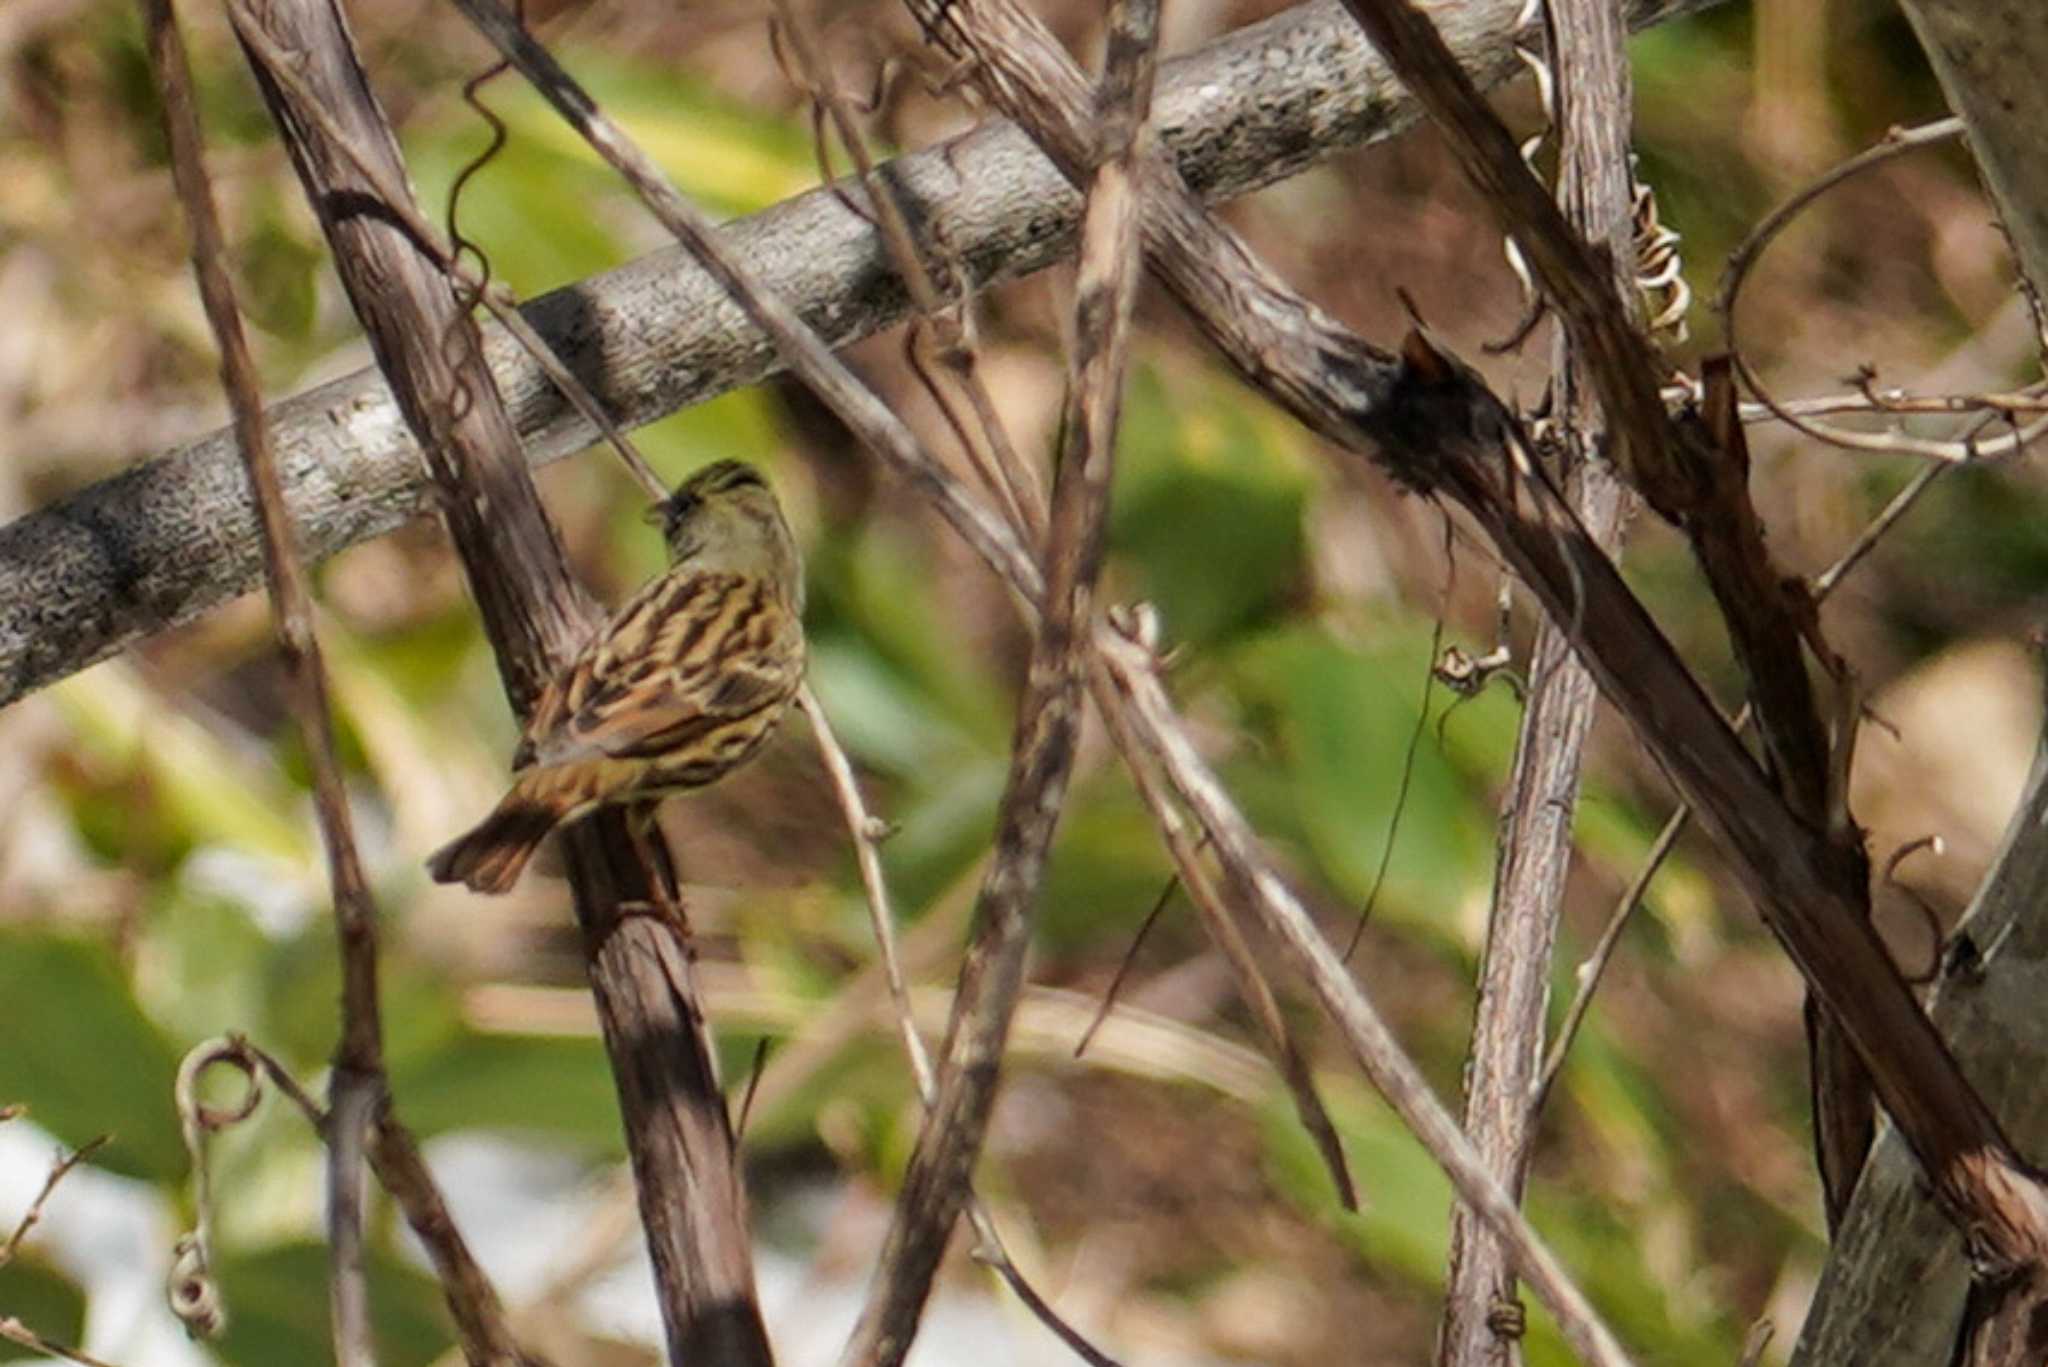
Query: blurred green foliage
x=39, y=1295
x=83, y=1056
x=1312, y=704
x=281, y=1308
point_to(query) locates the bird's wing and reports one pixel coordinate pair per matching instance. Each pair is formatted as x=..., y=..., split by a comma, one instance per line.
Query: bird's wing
x=680, y=659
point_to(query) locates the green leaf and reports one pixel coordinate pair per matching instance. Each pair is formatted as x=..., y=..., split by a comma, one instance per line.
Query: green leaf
x=206, y=792
x=42, y=1298
x=1208, y=511
x=879, y=591
x=542, y=1084
x=278, y=1309
x=279, y=277
x=200, y=964
x=1404, y=1198
x=83, y=1057
x=1345, y=719
x=1106, y=870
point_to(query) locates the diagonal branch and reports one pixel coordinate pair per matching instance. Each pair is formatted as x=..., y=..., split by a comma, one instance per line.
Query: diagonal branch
x=1127, y=654
x=1697, y=476
x=676, y=1125
x=938, y=1180
x=175, y=537
x=1435, y=427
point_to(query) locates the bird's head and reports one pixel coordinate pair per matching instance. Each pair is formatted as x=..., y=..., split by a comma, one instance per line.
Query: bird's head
x=725, y=518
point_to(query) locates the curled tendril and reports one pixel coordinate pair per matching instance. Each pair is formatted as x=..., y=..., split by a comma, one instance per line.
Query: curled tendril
x=470, y=293
x=1660, y=269
x=194, y=1295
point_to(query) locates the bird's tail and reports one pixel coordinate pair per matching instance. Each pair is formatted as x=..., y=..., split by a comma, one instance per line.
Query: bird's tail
x=491, y=857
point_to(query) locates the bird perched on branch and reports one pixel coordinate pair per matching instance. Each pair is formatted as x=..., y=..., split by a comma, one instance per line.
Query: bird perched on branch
x=680, y=686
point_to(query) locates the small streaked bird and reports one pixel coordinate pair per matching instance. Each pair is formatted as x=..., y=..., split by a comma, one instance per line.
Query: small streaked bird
x=682, y=684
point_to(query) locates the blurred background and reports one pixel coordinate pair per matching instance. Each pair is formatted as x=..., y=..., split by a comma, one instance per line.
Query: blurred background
x=160, y=876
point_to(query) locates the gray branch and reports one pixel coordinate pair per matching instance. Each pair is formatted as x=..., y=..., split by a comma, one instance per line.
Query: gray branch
x=177, y=536
x=1892, y=1293
x=1989, y=58
x=1894, y=1290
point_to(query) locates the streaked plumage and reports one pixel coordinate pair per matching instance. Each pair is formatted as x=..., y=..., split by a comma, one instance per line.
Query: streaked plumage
x=683, y=683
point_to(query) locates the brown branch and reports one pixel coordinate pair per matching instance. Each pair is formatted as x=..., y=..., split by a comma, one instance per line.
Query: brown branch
x=1444, y=417
x=675, y=1120
x=861, y=828
x=14, y=1331
x=1126, y=651
x=358, y=1088
x=799, y=345
x=1697, y=476
x=1049, y=715
x=175, y=537
x=58, y=1171
x=1503, y=1096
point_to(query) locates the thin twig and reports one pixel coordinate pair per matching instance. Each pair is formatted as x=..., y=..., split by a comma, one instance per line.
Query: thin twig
x=1897, y=142
x=1826, y=581
x=1012, y=482
x=867, y=855
x=801, y=347
x=358, y=1087
x=1259, y=887
x=64, y=1164
x=1401, y=787
x=14, y=1331
x=1127, y=963
x=1049, y=715
x=1595, y=965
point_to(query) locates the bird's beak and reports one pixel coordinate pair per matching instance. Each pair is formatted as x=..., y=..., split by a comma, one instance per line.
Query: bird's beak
x=657, y=514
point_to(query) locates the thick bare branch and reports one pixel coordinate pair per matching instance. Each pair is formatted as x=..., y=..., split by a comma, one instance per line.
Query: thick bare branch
x=1503, y=1097
x=1989, y=59
x=175, y=537
x=675, y=1120
x=1893, y=1292
x=1782, y=862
